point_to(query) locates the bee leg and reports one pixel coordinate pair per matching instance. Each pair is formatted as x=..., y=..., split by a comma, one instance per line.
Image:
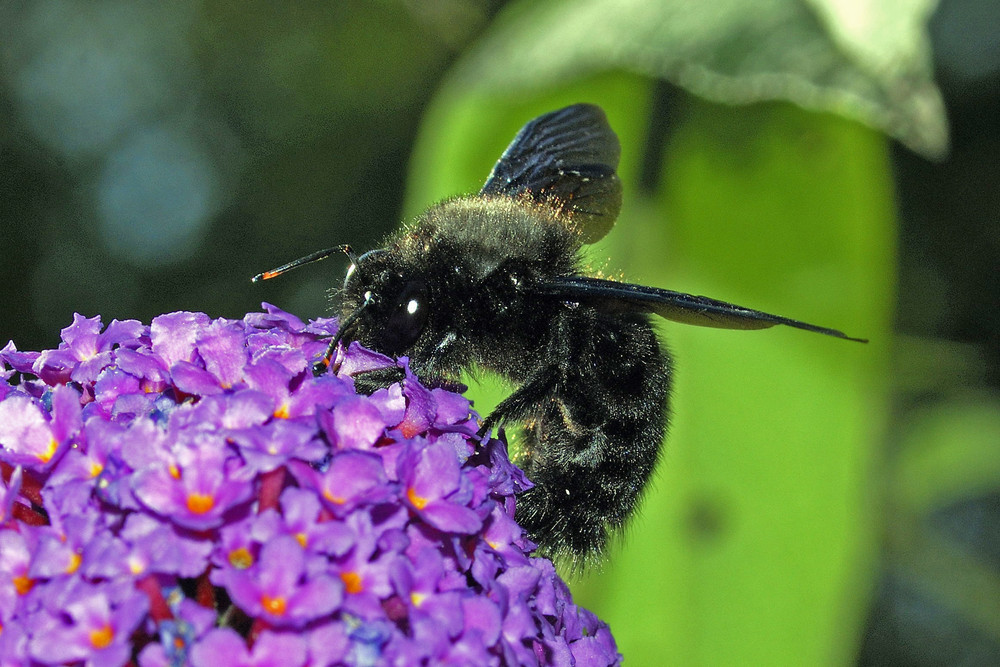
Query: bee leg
x=524, y=401
x=368, y=382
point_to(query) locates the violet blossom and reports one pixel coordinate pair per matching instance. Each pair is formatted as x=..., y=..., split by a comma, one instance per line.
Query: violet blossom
x=190, y=493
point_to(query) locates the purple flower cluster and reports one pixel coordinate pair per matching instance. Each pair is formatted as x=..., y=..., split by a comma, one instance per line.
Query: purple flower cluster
x=189, y=493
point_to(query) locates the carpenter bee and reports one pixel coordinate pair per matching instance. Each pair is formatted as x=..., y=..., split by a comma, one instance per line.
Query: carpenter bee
x=495, y=281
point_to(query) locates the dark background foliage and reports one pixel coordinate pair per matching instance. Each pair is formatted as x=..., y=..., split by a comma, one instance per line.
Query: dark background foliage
x=155, y=156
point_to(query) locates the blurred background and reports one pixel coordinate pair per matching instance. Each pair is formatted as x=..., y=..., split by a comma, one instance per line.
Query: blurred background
x=820, y=502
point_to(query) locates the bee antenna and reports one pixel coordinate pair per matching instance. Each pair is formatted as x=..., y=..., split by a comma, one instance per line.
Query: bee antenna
x=308, y=259
x=356, y=261
x=343, y=330
x=347, y=250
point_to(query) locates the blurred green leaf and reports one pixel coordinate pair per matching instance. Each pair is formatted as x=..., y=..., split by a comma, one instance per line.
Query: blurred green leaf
x=867, y=60
x=950, y=453
x=756, y=543
x=772, y=453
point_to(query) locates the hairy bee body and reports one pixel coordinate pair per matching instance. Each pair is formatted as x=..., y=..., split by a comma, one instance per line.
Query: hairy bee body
x=593, y=441
x=495, y=281
x=591, y=380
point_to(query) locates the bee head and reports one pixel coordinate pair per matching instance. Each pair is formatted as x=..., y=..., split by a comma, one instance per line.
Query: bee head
x=388, y=308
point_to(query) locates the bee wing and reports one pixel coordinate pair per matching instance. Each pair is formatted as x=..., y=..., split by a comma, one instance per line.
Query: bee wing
x=567, y=159
x=676, y=306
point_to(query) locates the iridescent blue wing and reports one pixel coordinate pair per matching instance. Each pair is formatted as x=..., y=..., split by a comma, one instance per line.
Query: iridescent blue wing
x=676, y=306
x=566, y=159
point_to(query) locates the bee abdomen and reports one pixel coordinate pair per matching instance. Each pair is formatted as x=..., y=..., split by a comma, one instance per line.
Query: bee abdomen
x=594, y=442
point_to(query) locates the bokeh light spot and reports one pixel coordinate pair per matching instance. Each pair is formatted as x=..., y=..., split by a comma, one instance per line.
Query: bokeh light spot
x=155, y=197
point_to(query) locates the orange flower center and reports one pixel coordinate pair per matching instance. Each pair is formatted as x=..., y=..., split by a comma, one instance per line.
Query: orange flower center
x=74, y=563
x=49, y=452
x=336, y=500
x=274, y=606
x=240, y=558
x=352, y=582
x=418, y=501
x=199, y=503
x=101, y=637
x=23, y=584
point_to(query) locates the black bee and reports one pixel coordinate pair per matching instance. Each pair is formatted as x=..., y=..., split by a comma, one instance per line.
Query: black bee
x=495, y=281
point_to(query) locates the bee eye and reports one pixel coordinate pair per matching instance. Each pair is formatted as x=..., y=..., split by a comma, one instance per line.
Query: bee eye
x=406, y=318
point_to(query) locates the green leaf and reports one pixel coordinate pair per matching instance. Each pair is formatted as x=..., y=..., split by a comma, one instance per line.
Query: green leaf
x=755, y=544
x=868, y=60
x=950, y=453
x=762, y=522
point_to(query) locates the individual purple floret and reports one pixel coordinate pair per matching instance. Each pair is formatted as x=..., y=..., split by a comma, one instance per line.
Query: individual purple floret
x=190, y=493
